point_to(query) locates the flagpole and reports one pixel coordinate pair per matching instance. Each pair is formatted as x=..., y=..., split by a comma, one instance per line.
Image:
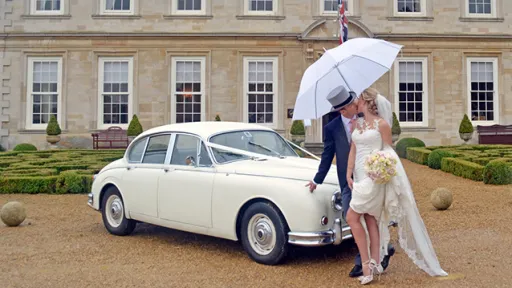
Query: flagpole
x=338, y=32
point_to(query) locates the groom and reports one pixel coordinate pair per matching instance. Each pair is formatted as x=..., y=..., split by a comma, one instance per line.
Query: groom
x=337, y=139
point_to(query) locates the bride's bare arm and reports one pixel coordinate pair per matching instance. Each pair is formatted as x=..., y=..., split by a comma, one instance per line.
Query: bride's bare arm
x=385, y=131
x=351, y=163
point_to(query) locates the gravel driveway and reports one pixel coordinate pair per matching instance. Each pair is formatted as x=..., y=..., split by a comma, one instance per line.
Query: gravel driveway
x=63, y=244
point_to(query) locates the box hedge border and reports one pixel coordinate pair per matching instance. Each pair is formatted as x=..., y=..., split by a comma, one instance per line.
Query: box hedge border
x=52, y=172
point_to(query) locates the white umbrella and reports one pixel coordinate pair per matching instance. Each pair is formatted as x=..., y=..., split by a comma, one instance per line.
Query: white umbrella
x=356, y=64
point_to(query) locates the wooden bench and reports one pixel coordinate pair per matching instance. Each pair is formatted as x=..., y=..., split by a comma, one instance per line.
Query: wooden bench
x=495, y=134
x=113, y=138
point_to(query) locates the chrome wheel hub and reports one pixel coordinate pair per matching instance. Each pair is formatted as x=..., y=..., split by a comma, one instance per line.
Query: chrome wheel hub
x=261, y=234
x=114, y=210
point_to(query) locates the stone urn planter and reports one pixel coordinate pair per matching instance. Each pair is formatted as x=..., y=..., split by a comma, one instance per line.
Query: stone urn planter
x=466, y=129
x=466, y=136
x=298, y=139
x=52, y=139
x=395, y=137
x=53, y=132
x=297, y=132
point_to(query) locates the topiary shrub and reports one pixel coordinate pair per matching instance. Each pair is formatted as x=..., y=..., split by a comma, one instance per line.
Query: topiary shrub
x=435, y=158
x=25, y=147
x=134, y=129
x=465, y=125
x=217, y=117
x=53, y=128
x=498, y=173
x=403, y=144
x=297, y=128
x=395, y=129
x=418, y=155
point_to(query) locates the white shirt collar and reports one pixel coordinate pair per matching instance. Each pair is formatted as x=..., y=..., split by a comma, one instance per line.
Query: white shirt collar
x=346, y=120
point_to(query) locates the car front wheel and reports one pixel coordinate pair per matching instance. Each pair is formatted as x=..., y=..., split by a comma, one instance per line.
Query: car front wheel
x=264, y=235
x=113, y=214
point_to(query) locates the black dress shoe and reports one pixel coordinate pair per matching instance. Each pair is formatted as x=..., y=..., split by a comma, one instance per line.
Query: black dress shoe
x=356, y=271
x=385, y=261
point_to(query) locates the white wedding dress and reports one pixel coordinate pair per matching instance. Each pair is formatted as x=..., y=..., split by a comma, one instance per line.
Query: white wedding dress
x=392, y=201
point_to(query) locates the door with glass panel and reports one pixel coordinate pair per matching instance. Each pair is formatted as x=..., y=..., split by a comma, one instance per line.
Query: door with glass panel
x=140, y=181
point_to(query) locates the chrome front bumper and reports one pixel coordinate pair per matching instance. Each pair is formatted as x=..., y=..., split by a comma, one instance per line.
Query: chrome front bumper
x=335, y=236
x=90, y=199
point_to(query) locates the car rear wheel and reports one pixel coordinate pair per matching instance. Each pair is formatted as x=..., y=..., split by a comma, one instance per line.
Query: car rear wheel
x=113, y=214
x=264, y=234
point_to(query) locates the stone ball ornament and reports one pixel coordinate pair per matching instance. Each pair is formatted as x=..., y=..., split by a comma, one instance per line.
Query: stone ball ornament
x=13, y=213
x=441, y=198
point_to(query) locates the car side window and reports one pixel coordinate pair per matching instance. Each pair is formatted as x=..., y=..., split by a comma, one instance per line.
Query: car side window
x=157, y=149
x=185, y=150
x=137, y=150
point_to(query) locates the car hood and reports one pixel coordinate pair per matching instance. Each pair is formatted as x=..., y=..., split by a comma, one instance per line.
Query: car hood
x=303, y=169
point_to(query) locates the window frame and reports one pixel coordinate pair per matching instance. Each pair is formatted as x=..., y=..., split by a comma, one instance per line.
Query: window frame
x=493, y=13
x=30, y=74
x=275, y=85
x=422, y=13
x=175, y=11
x=101, y=67
x=202, y=60
x=496, y=97
x=425, y=97
x=348, y=12
x=172, y=143
x=145, y=141
x=275, y=9
x=104, y=11
x=34, y=11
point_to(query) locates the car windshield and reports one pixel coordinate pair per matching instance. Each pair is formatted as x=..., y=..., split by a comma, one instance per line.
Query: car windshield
x=261, y=142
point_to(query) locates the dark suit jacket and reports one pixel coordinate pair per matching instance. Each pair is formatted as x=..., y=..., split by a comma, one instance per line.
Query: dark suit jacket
x=335, y=143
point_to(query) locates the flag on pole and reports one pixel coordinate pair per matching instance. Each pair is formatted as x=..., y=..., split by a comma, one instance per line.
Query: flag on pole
x=343, y=20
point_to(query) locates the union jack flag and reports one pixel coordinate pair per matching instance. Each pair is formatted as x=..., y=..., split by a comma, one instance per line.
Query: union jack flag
x=343, y=22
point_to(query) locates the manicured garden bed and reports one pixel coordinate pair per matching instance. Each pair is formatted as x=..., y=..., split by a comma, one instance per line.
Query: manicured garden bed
x=52, y=171
x=491, y=164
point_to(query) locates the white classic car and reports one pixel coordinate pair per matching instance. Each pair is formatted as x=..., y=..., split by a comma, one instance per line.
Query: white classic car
x=230, y=180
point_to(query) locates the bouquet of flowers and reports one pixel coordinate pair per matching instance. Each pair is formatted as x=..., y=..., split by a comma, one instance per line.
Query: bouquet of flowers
x=380, y=166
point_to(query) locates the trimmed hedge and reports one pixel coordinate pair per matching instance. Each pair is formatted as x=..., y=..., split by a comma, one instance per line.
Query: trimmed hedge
x=55, y=172
x=404, y=143
x=25, y=147
x=435, y=158
x=418, y=155
x=498, y=173
x=462, y=168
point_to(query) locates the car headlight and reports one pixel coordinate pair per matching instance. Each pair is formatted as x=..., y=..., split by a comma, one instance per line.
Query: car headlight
x=336, y=201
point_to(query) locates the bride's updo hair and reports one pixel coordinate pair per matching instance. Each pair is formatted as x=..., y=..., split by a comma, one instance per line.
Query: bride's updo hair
x=369, y=95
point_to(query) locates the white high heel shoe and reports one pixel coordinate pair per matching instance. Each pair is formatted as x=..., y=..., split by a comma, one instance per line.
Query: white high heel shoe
x=369, y=278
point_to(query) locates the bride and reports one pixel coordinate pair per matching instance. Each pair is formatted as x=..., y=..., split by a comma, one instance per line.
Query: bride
x=374, y=205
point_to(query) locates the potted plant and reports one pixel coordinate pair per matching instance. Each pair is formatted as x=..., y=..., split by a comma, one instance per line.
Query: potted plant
x=217, y=118
x=395, y=130
x=53, y=131
x=297, y=132
x=466, y=129
x=134, y=128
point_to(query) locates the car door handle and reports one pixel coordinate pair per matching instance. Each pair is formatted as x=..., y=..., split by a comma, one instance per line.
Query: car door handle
x=129, y=168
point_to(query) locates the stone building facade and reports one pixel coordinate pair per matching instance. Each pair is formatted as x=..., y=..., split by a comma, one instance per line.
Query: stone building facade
x=95, y=63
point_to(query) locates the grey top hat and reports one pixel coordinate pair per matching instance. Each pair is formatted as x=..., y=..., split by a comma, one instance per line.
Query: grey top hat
x=340, y=97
